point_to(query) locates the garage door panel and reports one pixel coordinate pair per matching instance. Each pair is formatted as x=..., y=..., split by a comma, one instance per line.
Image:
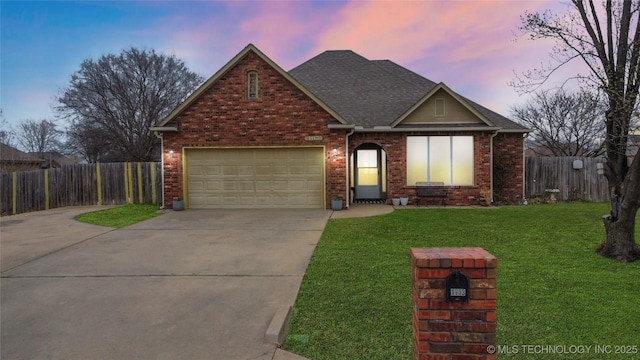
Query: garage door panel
x=212, y=170
x=246, y=186
x=281, y=177
x=212, y=186
x=314, y=186
x=280, y=170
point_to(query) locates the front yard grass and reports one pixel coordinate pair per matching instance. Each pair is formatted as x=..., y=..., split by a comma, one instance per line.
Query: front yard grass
x=355, y=299
x=120, y=216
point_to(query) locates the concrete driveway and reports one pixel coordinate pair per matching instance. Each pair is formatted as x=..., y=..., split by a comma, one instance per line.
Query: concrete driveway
x=197, y=284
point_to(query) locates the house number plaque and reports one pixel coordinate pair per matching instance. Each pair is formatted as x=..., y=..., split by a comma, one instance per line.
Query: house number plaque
x=457, y=287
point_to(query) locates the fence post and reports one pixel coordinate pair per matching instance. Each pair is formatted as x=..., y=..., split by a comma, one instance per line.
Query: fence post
x=99, y=183
x=153, y=183
x=46, y=189
x=14, y=192
x=140, y=198
x=130, y=183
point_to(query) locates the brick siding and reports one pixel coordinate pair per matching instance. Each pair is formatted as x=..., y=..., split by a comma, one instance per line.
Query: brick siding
x=453, y=330
x=223, y=116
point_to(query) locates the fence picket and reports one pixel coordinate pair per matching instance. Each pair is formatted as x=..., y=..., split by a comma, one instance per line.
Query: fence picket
x=79, y=184
x=542, y=173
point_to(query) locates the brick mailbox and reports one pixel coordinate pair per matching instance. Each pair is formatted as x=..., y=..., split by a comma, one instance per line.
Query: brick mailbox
x=454, y=303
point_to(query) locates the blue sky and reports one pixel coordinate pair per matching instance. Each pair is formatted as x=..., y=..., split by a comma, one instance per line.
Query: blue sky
x=469, y=45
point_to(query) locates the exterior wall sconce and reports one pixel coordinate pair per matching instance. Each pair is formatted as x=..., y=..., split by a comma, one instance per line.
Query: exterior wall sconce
x=171, y=153
x=335, y=150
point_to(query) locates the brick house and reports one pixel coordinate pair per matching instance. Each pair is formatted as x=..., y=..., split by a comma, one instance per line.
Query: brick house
x=338, y=125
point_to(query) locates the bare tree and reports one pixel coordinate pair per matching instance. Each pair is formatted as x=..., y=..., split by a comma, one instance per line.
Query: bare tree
x=6, y=133
x=118, y=97
x=38, y=136
x=607, y=41
x=87, y=140
x=563, y=124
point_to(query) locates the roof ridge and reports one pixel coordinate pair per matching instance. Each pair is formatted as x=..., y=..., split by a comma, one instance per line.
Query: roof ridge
x=404, y=69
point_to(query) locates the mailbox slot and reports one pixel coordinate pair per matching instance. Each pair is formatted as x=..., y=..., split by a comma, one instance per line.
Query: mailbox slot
x=457, y=287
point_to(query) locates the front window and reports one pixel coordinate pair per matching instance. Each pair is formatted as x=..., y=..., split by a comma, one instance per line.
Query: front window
x=440, y=159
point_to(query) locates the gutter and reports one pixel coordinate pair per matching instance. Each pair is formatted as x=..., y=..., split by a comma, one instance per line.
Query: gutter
x=158, y=129
x=377, y=129
x=346, y=167
x=159, y=136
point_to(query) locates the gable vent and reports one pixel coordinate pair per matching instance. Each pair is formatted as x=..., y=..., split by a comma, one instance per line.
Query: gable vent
x=252, y=80
x=439, y=107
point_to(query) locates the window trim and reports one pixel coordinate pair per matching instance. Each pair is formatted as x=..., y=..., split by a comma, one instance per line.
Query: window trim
x=428, y=139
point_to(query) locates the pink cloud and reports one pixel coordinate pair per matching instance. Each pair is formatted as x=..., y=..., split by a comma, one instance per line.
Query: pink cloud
x=470, y=45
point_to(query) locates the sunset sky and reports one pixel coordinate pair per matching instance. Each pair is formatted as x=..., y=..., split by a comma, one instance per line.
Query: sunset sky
x=472, y=46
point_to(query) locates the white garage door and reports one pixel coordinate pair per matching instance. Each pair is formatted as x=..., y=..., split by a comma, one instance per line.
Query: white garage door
x=255, y=178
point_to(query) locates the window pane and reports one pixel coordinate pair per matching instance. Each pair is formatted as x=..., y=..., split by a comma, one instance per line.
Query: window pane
x=462, y=158
x=440, y=159
x=367, y=158
x=367, y=176
x=417, y=154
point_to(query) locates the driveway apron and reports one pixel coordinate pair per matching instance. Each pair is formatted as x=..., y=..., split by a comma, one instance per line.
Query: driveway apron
x=196, y=284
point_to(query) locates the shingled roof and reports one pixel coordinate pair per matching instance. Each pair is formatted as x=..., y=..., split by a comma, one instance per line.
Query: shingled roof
x=371, y=93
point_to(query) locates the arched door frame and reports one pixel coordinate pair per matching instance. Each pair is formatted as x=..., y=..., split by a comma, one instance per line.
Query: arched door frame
x=369, y=172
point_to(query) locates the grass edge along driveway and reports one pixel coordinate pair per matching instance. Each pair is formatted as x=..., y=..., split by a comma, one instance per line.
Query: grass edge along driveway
x=120, y=216
x=553, y=290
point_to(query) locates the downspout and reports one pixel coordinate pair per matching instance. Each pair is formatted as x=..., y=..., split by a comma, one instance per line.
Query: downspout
x=491, y=170
x=346, y=166
x=159, y=136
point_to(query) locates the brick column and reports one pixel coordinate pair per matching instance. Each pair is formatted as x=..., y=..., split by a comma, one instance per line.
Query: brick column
x=453, y=330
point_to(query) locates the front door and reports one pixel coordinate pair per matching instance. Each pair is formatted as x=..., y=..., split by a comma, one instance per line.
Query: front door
x=368, y=174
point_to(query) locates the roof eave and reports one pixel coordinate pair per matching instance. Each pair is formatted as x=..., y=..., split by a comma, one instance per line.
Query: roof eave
x=430, y=129
x=522, y=131
x=164, y=128
x=428, y=95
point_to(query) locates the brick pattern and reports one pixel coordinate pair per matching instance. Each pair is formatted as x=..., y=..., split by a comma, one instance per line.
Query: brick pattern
x=224, y=116
x=395, y=145
x=282, y=115
x=508, y=149
x=453, y=330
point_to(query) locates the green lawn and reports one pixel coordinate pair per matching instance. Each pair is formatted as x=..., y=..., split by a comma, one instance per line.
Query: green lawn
x=355, y=300
x=120, y=216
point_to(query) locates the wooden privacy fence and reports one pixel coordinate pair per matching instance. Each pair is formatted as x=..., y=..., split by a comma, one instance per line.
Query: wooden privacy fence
x=81, y=184
x=573, y=182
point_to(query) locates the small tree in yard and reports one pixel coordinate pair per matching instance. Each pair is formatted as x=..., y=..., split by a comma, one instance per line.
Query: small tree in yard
x=114, y=100
x=607, y=41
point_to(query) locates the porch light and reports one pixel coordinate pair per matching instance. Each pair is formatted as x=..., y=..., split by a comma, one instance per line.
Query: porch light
x=335, y=150
x=171, y=153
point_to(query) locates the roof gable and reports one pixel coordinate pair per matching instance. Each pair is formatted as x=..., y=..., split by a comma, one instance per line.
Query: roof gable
x=364, y=92
x=455, y=110
x=379, y=93
x=162, y=125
